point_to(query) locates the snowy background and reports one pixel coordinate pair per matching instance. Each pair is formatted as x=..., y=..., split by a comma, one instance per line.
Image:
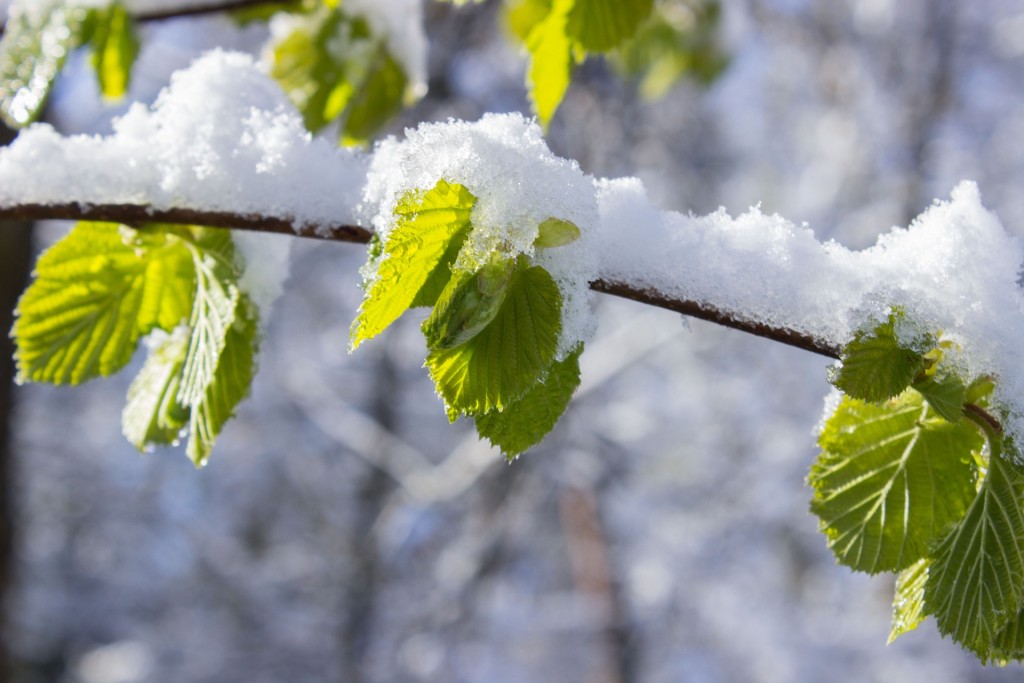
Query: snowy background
x=343, y=531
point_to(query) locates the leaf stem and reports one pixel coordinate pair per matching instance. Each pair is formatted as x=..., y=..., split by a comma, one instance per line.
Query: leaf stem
x=992, y=428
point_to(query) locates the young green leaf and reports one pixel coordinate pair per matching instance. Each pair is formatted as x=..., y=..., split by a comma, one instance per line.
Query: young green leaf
x=503, y=362
x=525, y=422
x=230, y=383
x=468, y=304
x=976, y=579
x=551, y=60
x=33, y=50
x=876, y=366
x=415, y=253
x=671, y=45
x=945, y=394
x=908, y=602
x=379, y=96
x=95, y=292
x=1009, y=643
x=892, y=478
x=603, y=25
x=522, y=16
x=213, y=313
x=152, y=414
x=555, y=232
x=332, y=66
x=115, y=46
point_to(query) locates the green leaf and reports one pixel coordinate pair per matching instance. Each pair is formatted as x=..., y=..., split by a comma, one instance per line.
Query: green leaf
x=442, y=274
x=468, y=304
x=500, y=364
x=892, y=478
x=115, y=46
x=945, y=394
x=414, y=255
x=33, y=50
x=525, y=422
x=602, y=25
x=522, y=16
x=230, y=383
x=976, y=579
x=1009, y=643
x=908, y=603
x=551, y=61
x=332, y=66
x=95, y=292
x=875, y=366
x=979, y=390
x=380, y=96
x=674, y=44
x=555, y=232
x=152, y=414
x=213, y=313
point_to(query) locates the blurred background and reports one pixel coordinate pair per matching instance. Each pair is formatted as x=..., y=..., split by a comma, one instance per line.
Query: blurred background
x=345, y=532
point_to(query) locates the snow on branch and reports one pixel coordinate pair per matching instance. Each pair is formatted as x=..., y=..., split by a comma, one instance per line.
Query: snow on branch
x=223, y=147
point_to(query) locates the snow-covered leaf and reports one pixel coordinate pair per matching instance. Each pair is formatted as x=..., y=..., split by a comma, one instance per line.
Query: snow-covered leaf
x=908, y=601
x=415, y=253
x=333, y=66
x=876, y=366
x=230, y=383
x=33, y=50
x=152, y=414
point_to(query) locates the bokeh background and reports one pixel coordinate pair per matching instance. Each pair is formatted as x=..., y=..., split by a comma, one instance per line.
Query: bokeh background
x=345, y=532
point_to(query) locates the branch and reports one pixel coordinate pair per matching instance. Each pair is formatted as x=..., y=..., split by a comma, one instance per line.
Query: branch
x=136, y=215
x=206, y=8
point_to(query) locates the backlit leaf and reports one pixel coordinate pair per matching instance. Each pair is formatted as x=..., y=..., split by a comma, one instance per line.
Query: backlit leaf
x=876, y=366
x=976, y=579
x=892, y=478
x=95, y=293
x=33, y=50
x=908, y=602
x=503, y=362
x=414, y=254
x=525, y=422
x=115, y=46
x=602, y=25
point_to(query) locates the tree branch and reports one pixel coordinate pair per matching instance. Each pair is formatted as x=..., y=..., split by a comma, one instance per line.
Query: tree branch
x=137, y=215
x=207, y=8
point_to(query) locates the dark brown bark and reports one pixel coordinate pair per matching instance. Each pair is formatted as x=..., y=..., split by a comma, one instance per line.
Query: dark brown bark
x=15, y=257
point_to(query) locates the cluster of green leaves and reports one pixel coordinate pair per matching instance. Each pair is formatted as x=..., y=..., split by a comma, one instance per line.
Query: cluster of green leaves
x=658, y=41
x=918, y=478
x=35, y=46
x=334, y=68
x=103, y=287
x=493, y=331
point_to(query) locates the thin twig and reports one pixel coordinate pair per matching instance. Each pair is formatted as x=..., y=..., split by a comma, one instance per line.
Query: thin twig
x=206, y=8
x=136, y=215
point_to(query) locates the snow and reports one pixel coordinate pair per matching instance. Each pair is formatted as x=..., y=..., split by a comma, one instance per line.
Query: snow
x=954, y=271
x=222, y=136
x=517, y=181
